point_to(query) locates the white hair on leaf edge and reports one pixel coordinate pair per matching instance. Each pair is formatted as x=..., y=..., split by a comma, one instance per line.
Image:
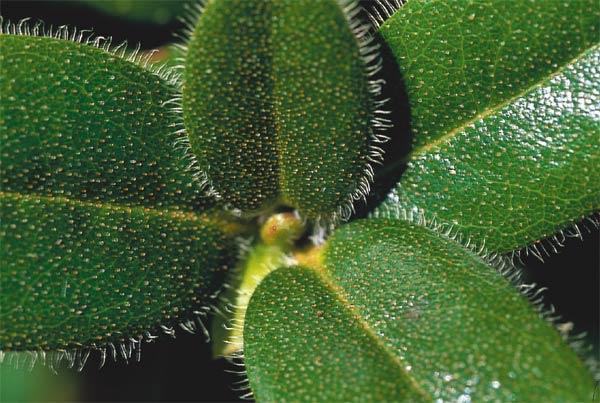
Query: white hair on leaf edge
x=170, y=75
x=382, y=10
x=87, y=37
x=510, y=267
x=380, y=123
x=77, y=356
x=130, y=349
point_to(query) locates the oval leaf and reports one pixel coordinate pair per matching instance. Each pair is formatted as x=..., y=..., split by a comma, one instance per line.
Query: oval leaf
x=506, y=117
x=399, y=313
x=85, y=274
x=277, y=105
x=102, y=238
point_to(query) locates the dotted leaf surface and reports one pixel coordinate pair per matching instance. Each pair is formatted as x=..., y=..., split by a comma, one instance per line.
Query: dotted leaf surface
x=82, y=123
x=102, y=233
x=399, y=313
x=461, y=59
x=504, y=99
x=277, y=104
x=85, y=274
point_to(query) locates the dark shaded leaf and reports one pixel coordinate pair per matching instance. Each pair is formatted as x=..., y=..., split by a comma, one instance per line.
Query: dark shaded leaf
x=277, y=104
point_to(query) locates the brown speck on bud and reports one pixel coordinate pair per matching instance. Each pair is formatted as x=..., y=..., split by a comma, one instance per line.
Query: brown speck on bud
x=281, y=229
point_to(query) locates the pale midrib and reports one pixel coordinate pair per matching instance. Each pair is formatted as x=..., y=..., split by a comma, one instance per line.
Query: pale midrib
x=275, y=113
x=345, y=302
x=437, y=143
x=174, y=214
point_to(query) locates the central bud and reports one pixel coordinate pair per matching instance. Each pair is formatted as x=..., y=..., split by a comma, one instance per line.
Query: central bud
x=282, y=229
x=280, y=245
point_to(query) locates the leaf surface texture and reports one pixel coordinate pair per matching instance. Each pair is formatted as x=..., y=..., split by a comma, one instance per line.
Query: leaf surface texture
x=277, y=105
x=399, y=313
x=504, y=99
x=103, y=233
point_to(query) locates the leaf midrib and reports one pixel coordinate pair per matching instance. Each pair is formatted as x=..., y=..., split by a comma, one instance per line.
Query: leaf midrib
x=343, y=300
x=438, y=142
x=121, y=208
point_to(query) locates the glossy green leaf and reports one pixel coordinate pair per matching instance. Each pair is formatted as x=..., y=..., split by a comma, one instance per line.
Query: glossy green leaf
x=463, y=59
x=277, y=105
x=102, y=232
x=400, y=313
x=505, y=113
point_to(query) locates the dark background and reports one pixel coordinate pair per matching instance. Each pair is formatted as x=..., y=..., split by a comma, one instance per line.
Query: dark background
x=181, y=369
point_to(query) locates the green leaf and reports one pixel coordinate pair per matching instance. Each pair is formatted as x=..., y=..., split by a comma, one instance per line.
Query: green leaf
x=277, y=105
x=77, y=273
x=506, y=117
x=227, y=326
x=464, y=59
x=83, y=123
x=400, y=313
x=102, y=233
x=274, y=250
